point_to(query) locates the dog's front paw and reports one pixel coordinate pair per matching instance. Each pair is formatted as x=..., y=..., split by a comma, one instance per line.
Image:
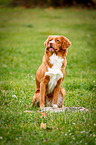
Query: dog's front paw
x=55, y=106
x=42, y=105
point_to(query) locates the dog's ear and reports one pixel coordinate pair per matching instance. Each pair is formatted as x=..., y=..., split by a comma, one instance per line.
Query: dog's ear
x=65, y=42
x=45, y=43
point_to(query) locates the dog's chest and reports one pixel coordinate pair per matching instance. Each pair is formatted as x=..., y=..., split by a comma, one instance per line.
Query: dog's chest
x=54, y=72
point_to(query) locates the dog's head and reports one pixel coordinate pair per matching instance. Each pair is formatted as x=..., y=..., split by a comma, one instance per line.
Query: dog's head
x=56, y=43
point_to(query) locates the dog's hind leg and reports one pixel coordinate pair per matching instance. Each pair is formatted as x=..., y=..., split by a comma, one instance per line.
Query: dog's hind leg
x=36, y=98
x=37, y=85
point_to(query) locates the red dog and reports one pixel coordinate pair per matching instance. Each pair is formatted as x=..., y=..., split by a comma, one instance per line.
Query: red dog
x=51, y=73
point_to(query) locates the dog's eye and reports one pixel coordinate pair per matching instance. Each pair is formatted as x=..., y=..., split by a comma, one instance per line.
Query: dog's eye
x=57, y=40
x=50, y=40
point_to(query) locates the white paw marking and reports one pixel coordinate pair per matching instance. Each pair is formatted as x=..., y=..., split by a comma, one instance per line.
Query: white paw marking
x=55, y=106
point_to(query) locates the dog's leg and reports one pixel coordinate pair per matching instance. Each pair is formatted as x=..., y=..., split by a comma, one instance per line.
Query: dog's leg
x=43, y=90
x=61, y=97
x=36, y=98
x=56, y=93
x=37, y=85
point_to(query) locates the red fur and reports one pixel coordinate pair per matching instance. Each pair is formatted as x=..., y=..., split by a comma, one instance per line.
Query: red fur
x=59, y=46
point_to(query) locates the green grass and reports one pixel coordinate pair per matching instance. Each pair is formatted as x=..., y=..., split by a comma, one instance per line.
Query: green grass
x=22, y=36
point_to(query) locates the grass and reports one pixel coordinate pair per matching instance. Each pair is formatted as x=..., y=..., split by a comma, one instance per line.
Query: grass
x=22, y=34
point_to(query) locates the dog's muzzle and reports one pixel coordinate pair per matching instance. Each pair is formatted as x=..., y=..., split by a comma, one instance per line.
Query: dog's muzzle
x=51, y=49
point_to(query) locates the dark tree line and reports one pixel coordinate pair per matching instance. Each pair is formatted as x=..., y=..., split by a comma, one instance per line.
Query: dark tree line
x=54, y=3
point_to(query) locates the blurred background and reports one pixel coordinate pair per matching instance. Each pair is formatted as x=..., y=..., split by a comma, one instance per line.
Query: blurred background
x=50, y=3
x=24, y=26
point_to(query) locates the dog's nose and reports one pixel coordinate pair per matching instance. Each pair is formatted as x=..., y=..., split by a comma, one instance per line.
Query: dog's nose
x=51, y=44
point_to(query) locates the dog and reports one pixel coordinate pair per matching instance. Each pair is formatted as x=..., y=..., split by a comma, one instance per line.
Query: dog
x=51, y=73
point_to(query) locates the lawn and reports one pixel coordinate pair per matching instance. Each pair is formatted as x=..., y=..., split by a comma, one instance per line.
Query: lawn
x=22, y=36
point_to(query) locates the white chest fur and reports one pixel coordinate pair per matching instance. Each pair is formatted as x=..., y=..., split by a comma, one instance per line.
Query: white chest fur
x=54, y=72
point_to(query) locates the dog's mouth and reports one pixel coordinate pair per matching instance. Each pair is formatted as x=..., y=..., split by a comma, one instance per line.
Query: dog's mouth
x=52, y=49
